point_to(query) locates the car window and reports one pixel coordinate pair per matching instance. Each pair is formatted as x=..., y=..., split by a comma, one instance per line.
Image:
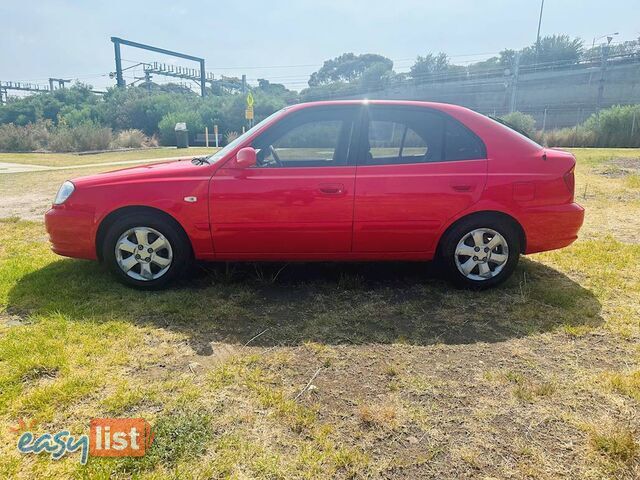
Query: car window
x=398, y=136
x=222, y=153
x=461, y=143
x=313, y=138
x=394, y=140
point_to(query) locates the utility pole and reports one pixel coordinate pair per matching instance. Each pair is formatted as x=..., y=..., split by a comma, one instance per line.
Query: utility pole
x=603, y=75
x=539, y=26
x=514, y=83
x=147, y=80
x=59, y=81
x=203, y=79
x=119, y=77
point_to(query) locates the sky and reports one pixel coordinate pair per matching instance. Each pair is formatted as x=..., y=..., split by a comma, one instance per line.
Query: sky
x=283, y=41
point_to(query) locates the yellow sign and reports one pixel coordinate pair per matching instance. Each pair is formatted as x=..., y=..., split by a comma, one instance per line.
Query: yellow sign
x=248, y=113
x=249, y=100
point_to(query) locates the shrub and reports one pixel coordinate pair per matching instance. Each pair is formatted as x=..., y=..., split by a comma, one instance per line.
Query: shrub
x=16, y=138
x=61, y=140
x=579, y=136
x=617, y=126
x=168, y=123
x=83, y=138
x=230, y=136
x=521, y=121
x=131, y=138
x=89, y=136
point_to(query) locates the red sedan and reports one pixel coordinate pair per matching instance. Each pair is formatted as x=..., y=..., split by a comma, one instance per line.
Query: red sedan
x=332, y=181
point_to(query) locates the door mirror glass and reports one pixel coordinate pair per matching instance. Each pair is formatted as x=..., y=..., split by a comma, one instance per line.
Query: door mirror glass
x=246, y=157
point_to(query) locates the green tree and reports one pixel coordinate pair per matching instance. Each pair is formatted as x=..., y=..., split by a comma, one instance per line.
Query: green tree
x=376, y=77
x=348, y=67
x=554, y=50
x=429, y=64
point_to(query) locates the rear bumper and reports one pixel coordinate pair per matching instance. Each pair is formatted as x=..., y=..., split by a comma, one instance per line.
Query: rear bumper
x=552, y=227
x=71, y=233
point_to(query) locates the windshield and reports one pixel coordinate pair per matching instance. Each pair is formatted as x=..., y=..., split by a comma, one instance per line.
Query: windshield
x=214, y=157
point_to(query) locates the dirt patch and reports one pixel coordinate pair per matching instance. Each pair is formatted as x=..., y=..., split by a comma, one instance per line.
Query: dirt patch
x=456, y=411
x=29, y=206
x=619, y=167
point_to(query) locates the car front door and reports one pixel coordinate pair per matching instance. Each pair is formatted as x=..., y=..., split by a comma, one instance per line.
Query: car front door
x=298, y=199
x=416, y=168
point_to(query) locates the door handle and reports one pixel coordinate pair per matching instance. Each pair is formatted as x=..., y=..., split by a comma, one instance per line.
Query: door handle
x=332, y=188
x=462, y=188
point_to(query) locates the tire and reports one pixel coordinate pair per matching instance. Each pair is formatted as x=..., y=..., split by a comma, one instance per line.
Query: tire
x=165, y=254
x=481, y=268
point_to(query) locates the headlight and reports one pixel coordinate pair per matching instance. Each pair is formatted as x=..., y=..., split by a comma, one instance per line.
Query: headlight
x=64, y=193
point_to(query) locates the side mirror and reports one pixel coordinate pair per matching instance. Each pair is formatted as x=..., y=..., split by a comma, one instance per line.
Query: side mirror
x=246, y=157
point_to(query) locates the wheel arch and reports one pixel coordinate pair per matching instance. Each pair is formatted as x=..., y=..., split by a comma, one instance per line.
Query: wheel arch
x=487, y=214
x=111, y=218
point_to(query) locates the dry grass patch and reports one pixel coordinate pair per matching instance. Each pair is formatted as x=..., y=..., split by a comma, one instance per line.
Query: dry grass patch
x=416, y=379
x=613, y=440
x=384, y=415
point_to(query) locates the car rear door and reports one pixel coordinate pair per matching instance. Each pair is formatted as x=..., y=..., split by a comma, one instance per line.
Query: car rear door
x=298, y=200
x=416, y=168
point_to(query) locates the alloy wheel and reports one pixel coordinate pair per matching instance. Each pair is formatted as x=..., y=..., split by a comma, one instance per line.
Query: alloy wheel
x=481, y=254
x=143, y=253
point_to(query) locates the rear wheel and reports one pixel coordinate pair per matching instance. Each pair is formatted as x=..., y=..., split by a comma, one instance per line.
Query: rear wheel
x=480, y=252
x=146, y=251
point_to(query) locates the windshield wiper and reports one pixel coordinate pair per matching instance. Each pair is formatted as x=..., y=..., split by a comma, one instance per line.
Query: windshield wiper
x=200, y=160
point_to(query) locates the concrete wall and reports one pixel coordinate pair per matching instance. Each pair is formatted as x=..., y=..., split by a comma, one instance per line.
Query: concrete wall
x=568, y=96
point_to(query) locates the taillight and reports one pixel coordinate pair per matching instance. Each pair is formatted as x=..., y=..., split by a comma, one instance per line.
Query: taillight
x=570, y=180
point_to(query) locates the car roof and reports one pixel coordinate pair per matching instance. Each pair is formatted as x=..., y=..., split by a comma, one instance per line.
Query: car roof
x=446, y=107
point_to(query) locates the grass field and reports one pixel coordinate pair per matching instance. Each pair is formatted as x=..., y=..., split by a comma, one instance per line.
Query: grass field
x=336, y=370
x=28, y=195
x=71, y=159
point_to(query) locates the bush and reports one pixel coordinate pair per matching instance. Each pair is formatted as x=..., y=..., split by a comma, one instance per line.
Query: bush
x=521, y=121
x=230, y=136
x=131, y=138
x=168, y=123
x=83, y=138
x=579, y=136
x=15, y=138
x=618, y=126
x=61, y=141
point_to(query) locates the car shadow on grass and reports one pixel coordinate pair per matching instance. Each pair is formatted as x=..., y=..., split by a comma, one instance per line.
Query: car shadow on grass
x=328, y=303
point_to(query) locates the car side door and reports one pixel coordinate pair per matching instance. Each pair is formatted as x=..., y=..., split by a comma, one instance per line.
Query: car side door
x=297, y=202
x=417, y=168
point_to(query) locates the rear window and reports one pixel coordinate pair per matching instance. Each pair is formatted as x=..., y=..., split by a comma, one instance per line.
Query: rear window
x=461, y=144
x=512, y=129
x=404, y=135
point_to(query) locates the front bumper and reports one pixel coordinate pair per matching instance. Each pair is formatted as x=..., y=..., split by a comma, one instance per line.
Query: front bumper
x=552, y=227
x=71, y=233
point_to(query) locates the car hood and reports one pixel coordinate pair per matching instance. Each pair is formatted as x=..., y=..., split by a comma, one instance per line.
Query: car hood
x=178, y=169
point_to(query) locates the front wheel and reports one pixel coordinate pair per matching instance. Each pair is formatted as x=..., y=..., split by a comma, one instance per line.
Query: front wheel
x=146, y=251
x=480, y=252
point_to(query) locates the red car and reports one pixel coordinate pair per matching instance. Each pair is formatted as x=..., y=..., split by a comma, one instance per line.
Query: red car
x=332, y=181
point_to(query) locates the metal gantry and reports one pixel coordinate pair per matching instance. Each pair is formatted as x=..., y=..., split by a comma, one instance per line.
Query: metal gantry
x=19, y=86
x=196, y=75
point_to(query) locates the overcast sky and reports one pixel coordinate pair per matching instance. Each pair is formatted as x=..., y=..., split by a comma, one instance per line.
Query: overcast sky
x=283, y=41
